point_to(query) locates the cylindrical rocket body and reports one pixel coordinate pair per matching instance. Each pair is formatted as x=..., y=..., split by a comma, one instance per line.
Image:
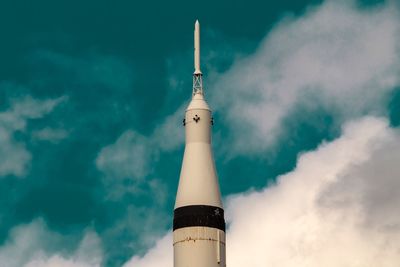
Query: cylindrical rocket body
x=199, y=247
x=199, y=225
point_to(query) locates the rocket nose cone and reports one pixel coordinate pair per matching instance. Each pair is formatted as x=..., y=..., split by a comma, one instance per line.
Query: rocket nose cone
x=198, y=102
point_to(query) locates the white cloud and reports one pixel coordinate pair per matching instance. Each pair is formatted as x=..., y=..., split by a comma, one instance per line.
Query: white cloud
x=139, y=228
x=170, y=134
x=33, y=245
x=127, y=157
x=29, y=108
x=321, y=214
x=127, y=162
x=160, y=255
x=337, y=208
x=22, y=243
x=130, y=155
x=343, y=57
x=14, y=157
x=57, y=261
x=50, y=134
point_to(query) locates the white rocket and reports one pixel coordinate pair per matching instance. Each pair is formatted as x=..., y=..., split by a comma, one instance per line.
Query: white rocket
x=199, y=224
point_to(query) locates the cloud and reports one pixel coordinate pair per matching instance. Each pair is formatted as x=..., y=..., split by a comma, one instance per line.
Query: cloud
x=57, y=261
x=127, y=157
x=127, y=162
x=21, y=243
x=137, y=230
x=129, y=171
x=321, y=213
x=169, y=135
x=160, y=255
x=130, y=155
x=88, y=254
x=14, y=156
x=50, y=134
x=34, y=245
x=336, y=55
x=337, y=208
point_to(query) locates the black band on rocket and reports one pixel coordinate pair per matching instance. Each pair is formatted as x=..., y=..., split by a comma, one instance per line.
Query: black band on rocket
x=199, y=215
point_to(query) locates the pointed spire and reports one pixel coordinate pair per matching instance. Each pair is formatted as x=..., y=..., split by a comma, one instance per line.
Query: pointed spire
x=197, y=75
x=197, y=48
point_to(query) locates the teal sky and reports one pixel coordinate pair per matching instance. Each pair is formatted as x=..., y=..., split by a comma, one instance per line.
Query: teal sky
x=101, y=76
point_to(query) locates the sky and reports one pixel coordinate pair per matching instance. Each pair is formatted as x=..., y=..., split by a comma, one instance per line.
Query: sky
x=306, y=101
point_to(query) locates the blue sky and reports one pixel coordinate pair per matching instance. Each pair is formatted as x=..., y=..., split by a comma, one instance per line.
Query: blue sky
x=306, y=103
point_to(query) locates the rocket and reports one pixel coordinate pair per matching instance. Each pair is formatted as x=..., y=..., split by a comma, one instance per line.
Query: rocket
x=199, y=224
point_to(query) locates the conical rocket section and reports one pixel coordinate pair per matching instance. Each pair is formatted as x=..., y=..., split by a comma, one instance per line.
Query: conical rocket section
x=198, y=182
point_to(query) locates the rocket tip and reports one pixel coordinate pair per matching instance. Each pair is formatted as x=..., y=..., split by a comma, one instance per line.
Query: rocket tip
x=197, y=21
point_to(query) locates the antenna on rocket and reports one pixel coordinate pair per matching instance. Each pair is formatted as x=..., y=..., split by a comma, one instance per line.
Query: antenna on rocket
x=197, y=75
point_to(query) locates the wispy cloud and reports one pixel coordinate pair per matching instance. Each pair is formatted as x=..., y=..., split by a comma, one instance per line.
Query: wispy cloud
x=128, y=157
x=14, y=157
x=127, y=162
x=50, y=134
x=34, y=245
x=160, y=254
